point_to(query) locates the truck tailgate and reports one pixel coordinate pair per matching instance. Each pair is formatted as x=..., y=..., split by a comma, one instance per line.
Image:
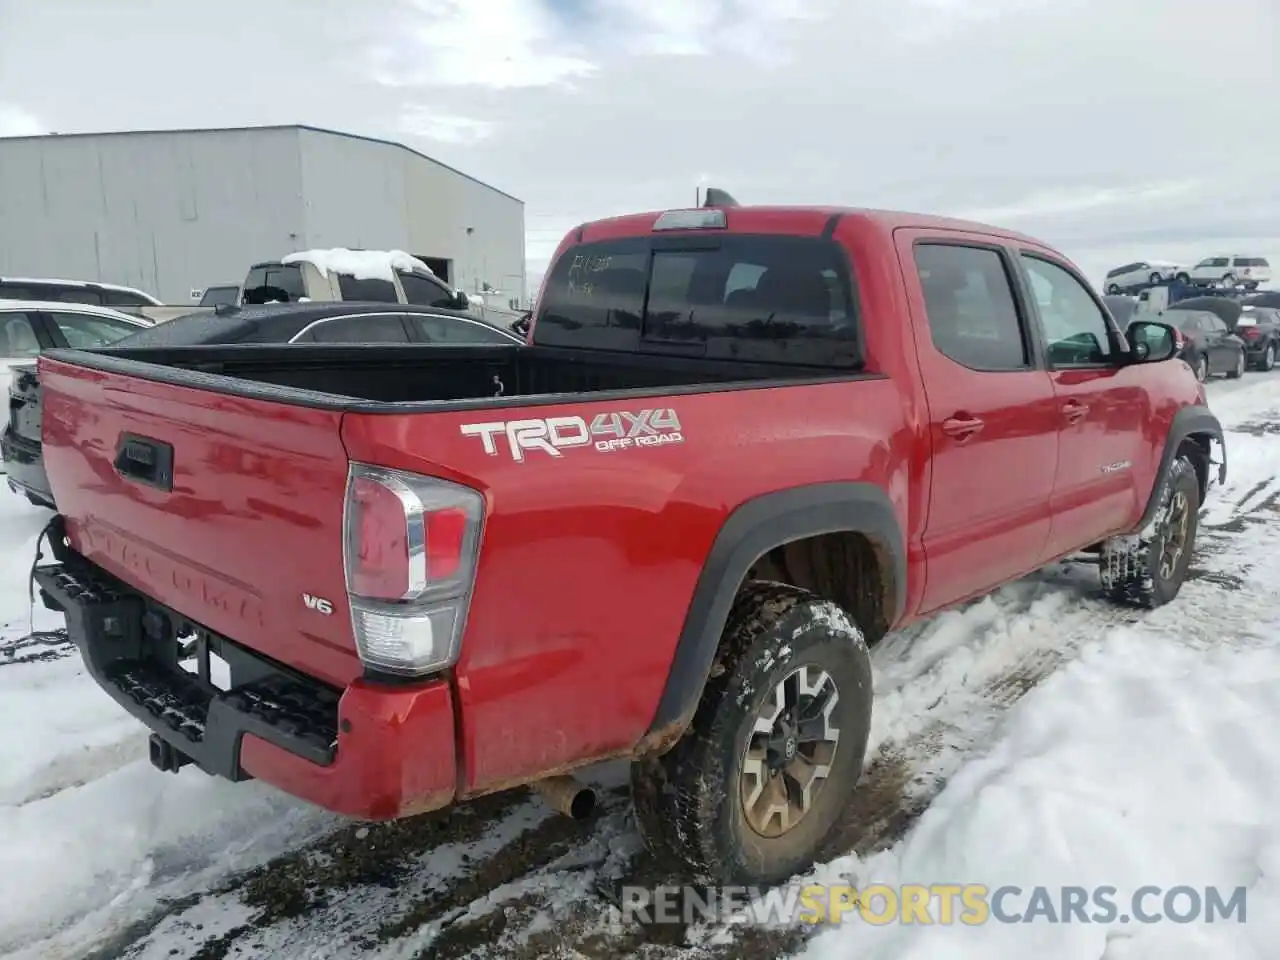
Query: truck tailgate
x=225, y=509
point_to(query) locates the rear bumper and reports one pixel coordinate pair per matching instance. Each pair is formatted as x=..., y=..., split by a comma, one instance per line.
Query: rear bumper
x=369, y=751
x=24, y=466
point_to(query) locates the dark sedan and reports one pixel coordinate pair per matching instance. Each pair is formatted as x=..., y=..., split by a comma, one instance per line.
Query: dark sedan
x=1206, y=343
x=335, y=322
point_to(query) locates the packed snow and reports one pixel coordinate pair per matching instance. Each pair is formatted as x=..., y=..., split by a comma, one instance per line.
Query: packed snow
x=361, y=264
x=1141, y=756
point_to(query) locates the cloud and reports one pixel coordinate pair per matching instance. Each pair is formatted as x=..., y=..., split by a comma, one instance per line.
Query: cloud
x=1111, y=130
x=16, y=122
x=420, y=121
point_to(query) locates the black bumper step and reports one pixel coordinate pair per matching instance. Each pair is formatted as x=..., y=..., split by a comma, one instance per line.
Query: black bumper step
x=130, y=645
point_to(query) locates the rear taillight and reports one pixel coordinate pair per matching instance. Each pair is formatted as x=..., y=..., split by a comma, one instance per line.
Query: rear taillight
x=410, y=548
x=1249, y=333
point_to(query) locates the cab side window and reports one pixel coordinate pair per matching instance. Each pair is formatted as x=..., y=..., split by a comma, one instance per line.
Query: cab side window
x=969, y=302
x=1075, y=326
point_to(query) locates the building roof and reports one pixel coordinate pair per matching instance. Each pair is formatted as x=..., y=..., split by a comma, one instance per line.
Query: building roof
x=271, y=126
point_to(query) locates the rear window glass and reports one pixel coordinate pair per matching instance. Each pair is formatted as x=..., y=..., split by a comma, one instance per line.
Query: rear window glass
x=753, y=298
x=1251, y=262
x=276, y=283
x=355, y=288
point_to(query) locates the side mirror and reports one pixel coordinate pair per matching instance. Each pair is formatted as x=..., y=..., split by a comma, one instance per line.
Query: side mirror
x=1151, y=342
x=461, y=301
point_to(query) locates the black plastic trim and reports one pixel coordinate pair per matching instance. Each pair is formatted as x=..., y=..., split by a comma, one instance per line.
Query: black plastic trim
x=144, y=460
x=1187, y=422
x=753, y=529
x=113, y=626
x=829, y=230
x=230, y=385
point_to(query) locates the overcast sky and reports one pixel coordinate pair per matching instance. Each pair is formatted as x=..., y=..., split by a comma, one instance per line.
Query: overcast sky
x=1115, y=129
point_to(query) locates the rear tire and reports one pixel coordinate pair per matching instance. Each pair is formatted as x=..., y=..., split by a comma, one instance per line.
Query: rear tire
x=1148, y=568
x=1238, y=371
x=734, y=803
x=1183, y=278
x=1113, y=289
x=1155, y=278
x=1267, y=362
x=1201, y=367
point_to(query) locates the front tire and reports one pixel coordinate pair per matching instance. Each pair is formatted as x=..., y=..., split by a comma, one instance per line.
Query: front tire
x=1147, y=569
x=1155, y=278
x=775, y=747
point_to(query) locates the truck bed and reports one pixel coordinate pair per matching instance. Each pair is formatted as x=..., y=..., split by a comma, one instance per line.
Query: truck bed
x=387, y=377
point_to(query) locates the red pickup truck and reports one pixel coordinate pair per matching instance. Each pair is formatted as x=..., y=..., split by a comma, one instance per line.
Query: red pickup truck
x=739, y=446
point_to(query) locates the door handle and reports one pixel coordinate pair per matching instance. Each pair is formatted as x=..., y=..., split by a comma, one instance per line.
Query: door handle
x=1073, y=411
x=962, y=428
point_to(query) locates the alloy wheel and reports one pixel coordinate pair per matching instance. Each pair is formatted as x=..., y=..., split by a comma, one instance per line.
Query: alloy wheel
x=790, y=751
x=1177, y=524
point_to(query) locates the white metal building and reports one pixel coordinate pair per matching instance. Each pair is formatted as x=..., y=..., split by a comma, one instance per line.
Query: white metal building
x=174, y=211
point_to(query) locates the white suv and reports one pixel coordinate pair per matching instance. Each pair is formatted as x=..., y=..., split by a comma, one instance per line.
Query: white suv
x=1230, y=269
x=1140, y=273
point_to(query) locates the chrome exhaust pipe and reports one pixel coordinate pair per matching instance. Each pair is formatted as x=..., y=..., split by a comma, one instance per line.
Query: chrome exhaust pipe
x=566, y=795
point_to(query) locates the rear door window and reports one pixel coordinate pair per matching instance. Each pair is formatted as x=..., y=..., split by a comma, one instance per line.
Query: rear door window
x=360, y=288
x=371, y=328
x=778, y=299
x=437, y=329
x=18, y=335
x=84, y=331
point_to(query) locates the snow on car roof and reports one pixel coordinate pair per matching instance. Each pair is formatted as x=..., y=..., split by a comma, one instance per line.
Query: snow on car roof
x=361, y=264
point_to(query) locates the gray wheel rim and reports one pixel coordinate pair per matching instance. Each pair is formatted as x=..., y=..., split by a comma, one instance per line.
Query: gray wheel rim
x=1202, y=369
x=1175, y=537
x=790, y=751
x=1240, y=365
x=1269, y=357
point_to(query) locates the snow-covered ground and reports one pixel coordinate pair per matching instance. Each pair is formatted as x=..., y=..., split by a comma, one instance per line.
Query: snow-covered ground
x=1049, y=739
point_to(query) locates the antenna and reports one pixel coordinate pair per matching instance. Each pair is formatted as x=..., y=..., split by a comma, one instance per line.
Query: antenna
x=718, y=198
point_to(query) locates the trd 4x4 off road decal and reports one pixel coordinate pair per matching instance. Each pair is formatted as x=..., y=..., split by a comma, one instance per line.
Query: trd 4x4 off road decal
x=607, y=432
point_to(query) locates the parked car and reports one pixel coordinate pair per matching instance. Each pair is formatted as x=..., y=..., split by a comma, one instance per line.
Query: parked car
x=1205, y=342
x=667, y=529
x=1267, y=298
x=1230, y=269
x=1140, y=273
x=221, y=295
x=351, y=323
x=123, y=299
x=385, y=276
x=29, y=327
x=1259, y=328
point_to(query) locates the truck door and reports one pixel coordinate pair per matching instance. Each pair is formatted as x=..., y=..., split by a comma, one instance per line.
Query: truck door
x=1102, y=407
x=993, y=422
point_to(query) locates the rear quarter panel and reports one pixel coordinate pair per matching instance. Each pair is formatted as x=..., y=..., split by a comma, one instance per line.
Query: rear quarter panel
x=589, y=559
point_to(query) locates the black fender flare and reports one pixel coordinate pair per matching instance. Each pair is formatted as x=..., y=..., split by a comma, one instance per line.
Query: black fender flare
x=1187, y=422
x=751, y=530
